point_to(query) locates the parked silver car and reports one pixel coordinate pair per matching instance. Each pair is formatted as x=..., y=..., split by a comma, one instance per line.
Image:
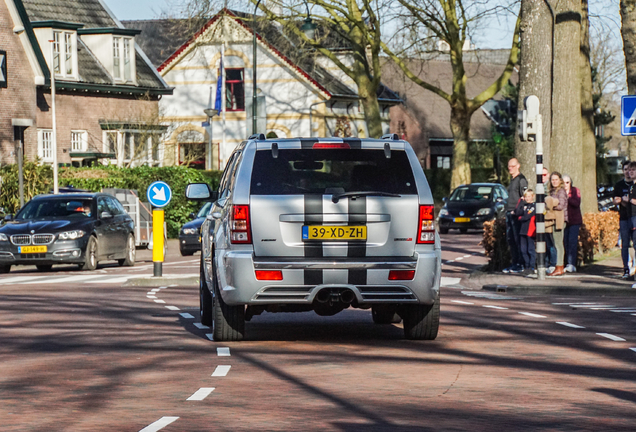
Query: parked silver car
x=320, y=224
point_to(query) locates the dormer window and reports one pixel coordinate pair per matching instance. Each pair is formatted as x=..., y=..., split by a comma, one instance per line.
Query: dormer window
x=115, y=49
x=63, y=53
x=122, y=58
x=64, y=36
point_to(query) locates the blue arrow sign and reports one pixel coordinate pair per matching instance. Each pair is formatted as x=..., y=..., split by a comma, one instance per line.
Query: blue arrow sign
x=159, y=194
x=628, y=115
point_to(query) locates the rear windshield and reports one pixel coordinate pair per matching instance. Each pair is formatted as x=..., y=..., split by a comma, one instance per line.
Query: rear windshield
x=56, y=208
x=328, y=171
x=472, y=193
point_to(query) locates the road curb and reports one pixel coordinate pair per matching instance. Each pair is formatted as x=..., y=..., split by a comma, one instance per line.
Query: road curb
x=559, y=290
x=152, y=281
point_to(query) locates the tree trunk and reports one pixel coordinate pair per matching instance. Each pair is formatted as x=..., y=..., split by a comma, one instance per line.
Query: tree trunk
x=587, y=184
x=460, y=126
x=371, y=108
x=628, y=31
x=565, y=151
x=535, y=77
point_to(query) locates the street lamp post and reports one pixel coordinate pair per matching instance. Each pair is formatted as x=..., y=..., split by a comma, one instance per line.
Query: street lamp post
x=210, y=112
x=308, y=27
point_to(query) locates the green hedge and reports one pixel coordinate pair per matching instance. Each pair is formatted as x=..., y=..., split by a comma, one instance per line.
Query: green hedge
x=39, y=179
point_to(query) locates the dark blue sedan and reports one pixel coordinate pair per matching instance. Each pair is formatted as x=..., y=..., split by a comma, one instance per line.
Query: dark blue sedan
x=190, y=233
x=469, y=206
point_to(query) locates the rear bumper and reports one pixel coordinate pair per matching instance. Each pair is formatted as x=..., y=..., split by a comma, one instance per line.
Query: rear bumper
x=303, y=278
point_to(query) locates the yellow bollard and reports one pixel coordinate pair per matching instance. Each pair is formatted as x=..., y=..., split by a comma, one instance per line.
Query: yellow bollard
x=157, y=241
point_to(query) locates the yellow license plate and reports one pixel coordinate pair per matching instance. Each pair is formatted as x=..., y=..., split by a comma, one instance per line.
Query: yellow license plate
x=326, y=233
x=459, y=220
x=199, y=239
x=32, y=249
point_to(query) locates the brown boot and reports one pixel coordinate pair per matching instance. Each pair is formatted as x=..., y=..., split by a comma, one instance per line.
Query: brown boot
x=558, y=271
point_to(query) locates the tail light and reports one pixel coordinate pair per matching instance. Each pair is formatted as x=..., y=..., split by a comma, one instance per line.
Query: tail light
x=401, y=274
x=331, y=146
x=275, y=275
x=426, y=228
x=240, y=230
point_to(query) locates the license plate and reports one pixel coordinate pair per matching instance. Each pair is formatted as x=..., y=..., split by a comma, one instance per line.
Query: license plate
x=32, y=249
x=325, y=232
x=462, y=220
x=199, y=239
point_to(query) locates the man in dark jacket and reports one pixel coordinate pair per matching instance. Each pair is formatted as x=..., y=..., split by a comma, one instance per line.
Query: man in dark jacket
x=621, y=199
x=517, y=187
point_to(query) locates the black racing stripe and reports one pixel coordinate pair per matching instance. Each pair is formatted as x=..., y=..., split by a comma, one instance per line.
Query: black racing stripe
x=354, y=143
x=357, y=216
x=357, y=277
x=313, y=216
x=313, y=276
x=307, y=143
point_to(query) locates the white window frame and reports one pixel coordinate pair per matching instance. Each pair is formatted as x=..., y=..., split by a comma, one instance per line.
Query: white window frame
x=64, y=61
x=127, y=150
x=124, y=69
x=45, y=145
x=79, y=140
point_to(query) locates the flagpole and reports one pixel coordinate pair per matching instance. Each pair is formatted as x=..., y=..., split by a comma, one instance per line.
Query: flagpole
x=223, y=101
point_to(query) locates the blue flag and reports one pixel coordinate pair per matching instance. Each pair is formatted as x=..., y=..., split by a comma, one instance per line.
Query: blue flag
x=219, y=85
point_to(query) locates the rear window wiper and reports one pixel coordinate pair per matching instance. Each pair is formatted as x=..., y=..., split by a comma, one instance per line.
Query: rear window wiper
x=336, y=197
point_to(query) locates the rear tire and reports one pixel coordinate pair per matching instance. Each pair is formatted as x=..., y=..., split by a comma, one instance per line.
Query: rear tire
x=228, y=322
x=205, y=299
x=44, y=267
x=5, y=268
x=90, y=259
x=421, y=322
x=383, y=314
x=129, y=261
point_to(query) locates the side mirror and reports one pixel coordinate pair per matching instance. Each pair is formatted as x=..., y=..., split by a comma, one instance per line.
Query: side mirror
x=444, y=199
x=8, y=218
x=198, y=192
x=106, y=215
x=192, y=216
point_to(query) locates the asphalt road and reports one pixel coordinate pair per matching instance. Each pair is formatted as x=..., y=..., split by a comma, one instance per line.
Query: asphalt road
x=91, y=355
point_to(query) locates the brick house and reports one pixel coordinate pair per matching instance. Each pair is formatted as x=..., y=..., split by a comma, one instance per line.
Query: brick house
x=106, y=90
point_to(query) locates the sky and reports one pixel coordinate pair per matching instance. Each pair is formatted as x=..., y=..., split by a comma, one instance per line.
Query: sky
x=495, y=34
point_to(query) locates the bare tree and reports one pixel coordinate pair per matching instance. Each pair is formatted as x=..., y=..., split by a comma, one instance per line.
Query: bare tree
x=450, y=21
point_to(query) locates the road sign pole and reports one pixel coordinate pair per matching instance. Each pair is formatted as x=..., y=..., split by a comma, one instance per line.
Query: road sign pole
x=157, y=242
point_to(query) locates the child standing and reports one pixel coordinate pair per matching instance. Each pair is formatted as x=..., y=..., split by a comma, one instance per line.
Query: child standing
x=525, y=211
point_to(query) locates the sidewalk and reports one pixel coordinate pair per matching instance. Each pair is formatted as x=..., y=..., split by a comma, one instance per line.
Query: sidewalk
x=603, y=277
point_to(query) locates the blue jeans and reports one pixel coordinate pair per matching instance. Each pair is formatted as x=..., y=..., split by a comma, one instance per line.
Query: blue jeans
x=512, y=235
x=551, y=252
x=625, y=228
x=571, y=243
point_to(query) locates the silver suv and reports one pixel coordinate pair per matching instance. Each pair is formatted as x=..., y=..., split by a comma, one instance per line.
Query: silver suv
x=320, y=224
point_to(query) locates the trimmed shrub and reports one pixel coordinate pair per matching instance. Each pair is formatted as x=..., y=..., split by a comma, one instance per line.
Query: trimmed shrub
x=495, y=245
x=39, y=179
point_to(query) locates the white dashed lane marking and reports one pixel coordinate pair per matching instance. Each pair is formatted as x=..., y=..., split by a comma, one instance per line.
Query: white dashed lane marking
x=462, y=302
x=612, y=337
x=533, y=315
x=223, y=352
x=186, y=315
x=200, y=326
x=159, y=424
x=160, y=301
x=201, y=394
x=567, y=324
x=495, y=307
x=209, y=336
x=172, y=308
x=633, y=349
x=221, y=371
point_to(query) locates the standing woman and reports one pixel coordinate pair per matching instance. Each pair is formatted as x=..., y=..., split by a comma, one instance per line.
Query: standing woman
x=573, y=220
x=557, y=206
